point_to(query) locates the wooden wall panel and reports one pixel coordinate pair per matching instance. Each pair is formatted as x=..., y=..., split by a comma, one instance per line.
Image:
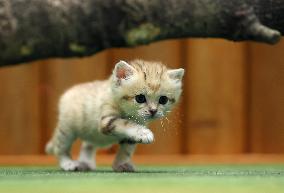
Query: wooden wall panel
x=233, y=99
x=20, y=131
x=267, y=98
x=169, y=132
x=215, y=93
x=61, y=74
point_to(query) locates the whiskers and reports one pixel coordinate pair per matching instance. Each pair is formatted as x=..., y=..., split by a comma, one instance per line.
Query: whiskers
x=162, y=124
x=164, y=117
x=140, y=118
x=171, y=124
x=135, y=118
x=167, y=119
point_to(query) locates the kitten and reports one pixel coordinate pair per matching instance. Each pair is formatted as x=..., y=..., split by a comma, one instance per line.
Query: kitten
x=112, y=111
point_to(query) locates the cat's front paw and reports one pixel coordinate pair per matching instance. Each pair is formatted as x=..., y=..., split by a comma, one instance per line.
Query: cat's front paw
x=140, y=135
x=124, y=167
x=71, y=165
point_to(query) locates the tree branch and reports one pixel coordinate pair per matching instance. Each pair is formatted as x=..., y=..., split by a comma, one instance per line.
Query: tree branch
x=38, y=29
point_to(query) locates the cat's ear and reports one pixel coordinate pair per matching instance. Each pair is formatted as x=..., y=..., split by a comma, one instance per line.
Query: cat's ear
x=176, y=74
x=123, y=71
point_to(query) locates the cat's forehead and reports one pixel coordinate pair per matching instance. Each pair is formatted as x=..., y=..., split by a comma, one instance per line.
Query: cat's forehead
x=152, y=74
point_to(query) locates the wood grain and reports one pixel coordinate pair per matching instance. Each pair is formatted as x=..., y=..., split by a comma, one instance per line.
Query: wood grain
x=233, y=99
x=267, y=98
x=20, y=131
x=216, y=97
x=61, y=74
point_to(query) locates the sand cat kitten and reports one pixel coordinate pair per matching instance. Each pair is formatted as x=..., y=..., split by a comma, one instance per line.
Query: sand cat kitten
x=112, y=111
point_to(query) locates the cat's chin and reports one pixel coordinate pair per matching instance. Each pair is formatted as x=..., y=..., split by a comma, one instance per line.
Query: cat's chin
x=152, y=118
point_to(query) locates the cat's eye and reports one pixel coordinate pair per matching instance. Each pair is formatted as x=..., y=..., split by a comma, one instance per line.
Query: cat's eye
x=163, y=100
x=140, y=98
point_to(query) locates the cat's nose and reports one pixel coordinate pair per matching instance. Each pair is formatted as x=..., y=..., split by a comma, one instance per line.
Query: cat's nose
x=153, y=111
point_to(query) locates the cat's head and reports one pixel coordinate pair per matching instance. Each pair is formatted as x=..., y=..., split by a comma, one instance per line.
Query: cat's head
x=145, y=90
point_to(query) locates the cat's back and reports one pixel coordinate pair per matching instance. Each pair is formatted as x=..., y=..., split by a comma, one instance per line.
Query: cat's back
x=79, y=105
x=90, y=88
x=89, y=92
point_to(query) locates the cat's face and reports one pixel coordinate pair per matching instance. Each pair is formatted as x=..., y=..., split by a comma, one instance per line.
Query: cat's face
x=145, y=90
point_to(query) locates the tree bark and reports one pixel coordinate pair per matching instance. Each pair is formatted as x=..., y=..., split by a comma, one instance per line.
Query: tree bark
x=38, y=29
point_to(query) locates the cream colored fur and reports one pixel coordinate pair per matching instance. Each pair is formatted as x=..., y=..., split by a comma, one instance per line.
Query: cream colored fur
x=102, y=113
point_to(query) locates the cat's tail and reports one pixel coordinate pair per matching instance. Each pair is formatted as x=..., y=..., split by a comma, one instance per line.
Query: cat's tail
x=49, y=149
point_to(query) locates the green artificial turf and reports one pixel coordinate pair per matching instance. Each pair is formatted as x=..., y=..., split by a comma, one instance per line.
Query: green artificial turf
x=165, y=179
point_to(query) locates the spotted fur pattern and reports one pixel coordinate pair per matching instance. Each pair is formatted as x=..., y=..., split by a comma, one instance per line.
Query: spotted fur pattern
x=102, y=113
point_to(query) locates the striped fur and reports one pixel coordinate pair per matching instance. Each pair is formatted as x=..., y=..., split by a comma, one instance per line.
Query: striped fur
x=105, y=112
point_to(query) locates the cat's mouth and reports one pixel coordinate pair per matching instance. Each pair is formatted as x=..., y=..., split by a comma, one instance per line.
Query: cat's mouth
x=151, y=116
x=147, y=117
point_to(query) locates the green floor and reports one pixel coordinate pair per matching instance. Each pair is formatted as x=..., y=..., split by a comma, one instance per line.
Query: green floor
x=166, y=179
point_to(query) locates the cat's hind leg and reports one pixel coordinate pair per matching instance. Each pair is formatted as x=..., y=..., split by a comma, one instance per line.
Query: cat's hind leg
x=122, y=162
x=60, y=145
x=86, y=157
